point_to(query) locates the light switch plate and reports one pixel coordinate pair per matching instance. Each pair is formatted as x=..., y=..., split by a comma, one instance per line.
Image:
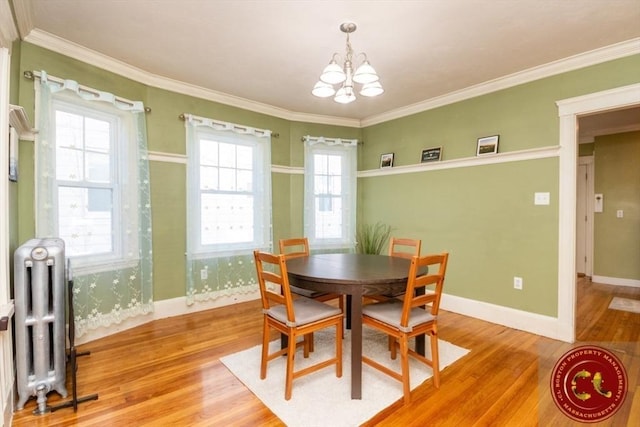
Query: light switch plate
x=541, y=199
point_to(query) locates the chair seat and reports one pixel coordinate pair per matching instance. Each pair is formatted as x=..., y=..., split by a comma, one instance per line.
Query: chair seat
x=307, y=311
x=390, y=312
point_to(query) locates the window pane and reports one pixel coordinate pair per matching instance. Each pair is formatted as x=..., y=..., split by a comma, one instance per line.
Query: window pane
x=244, y=157
x=69, y=164
x=227, y=155
x=85, y=220
x=227, y=179
x=328, y=218
x=334, y=165
x=208, y=178
x=99, y=200
x=320, y=185
x=320, y=164
x=97, y=136
x=69, y=130
x=245, y=180
x=226, y=218
x=208, y=152
x=335, y=185
x=98, y=167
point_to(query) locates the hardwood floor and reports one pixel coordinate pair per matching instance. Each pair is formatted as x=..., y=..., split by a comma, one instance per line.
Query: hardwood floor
x=168, y=372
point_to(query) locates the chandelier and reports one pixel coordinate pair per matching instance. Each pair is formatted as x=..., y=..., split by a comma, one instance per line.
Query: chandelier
x=344, y=76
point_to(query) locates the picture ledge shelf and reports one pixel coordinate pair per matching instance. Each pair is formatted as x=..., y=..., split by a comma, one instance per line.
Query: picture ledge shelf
x=512, y=156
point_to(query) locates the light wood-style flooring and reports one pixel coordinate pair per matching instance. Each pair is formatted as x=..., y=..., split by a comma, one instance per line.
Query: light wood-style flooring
x=168, y=373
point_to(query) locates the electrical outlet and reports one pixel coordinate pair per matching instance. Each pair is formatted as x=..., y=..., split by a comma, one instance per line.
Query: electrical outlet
x=204, y=273
x=517, y=283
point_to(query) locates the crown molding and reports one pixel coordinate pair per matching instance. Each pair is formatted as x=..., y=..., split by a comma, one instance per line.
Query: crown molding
x=73, y=50
x=24, y=16
x=81, y=53
x=597, y=56
x=8, y=32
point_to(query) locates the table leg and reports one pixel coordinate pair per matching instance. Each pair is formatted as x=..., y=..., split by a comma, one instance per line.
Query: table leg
x=420, y=342
x=356, y=344
x=348, y=310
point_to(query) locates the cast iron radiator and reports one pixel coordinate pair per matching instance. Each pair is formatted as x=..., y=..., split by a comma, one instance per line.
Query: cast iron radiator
x=39, y=290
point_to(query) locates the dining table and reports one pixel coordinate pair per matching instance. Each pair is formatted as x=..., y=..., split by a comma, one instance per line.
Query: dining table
x=356, y=276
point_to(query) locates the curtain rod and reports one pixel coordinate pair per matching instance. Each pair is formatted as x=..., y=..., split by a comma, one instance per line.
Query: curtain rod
x=330, y=140
x=183, y=116
x=32, y=75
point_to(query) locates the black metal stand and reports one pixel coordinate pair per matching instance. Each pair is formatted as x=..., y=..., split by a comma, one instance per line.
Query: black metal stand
x=73, y=355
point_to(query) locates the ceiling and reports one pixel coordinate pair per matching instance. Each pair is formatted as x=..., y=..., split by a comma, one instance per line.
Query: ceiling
x=270, y=53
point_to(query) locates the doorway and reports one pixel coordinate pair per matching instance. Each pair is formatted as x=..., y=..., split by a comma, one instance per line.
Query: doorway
x=569, y=110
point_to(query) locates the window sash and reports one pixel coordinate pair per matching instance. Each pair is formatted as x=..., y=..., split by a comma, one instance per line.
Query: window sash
x=228, y=227
x=330, y=191
x=122, y=247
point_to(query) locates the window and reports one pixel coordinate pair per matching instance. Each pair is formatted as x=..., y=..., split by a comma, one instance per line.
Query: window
x=330, y=192
x=229, y=190
x=94, y=193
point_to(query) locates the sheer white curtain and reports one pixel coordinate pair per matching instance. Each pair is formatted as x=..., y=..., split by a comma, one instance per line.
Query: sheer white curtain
x=330, y=192
x=228, y=206
x=95, y=177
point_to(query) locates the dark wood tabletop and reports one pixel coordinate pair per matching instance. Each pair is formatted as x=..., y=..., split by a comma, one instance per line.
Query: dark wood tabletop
x=354, y=275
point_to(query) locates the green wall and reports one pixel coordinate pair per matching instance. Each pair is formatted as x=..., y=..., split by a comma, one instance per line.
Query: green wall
x=483, y=214
x=617, y=178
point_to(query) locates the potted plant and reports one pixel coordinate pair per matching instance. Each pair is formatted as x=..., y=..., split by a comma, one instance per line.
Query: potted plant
x=372, y=239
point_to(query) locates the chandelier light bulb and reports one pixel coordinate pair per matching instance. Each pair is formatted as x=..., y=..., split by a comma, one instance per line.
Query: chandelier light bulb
x=334, y=74
x=345, y=95
x=323, y=90
x=365, y=74
x=371, y=89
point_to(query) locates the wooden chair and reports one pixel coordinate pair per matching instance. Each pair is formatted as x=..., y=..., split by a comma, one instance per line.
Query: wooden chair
x=295, y=318
x=299, y=247
x=403, y=248
x=415, y=315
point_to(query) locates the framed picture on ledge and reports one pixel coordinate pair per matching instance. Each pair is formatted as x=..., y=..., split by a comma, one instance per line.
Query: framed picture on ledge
x=487, y=145
x=431, y=154
x=386, y=160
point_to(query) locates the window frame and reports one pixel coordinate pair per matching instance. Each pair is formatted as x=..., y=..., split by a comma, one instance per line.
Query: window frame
x=348, y=193
x=260, y=166
x=123, y=169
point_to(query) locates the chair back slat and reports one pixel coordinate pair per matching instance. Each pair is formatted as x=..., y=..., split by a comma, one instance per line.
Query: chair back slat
x=404, y=248
x=273, y=269
x=427, y=280
x=294, y=247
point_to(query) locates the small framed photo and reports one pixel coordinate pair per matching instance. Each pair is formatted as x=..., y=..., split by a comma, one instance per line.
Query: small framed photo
x=431, y=154
x=487, y=145
x=386, y=160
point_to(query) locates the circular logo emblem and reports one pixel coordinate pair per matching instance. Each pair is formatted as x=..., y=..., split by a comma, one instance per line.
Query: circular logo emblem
x=589, y=384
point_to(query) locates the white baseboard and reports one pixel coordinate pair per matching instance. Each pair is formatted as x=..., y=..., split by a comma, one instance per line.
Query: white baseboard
x=534, y=323
x=616, y=281
x=163, y=309
x=517, y=319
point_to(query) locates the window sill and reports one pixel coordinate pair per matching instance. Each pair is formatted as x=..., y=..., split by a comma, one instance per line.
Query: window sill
x=95, y=268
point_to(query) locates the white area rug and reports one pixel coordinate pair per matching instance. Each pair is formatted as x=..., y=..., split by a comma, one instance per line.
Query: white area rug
x=625, y=304
x=321, y=399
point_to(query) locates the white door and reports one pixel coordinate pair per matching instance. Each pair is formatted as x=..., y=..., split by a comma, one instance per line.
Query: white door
x=584, y=216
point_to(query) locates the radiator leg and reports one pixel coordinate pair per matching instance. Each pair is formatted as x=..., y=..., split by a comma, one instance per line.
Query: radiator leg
x=41, y=393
